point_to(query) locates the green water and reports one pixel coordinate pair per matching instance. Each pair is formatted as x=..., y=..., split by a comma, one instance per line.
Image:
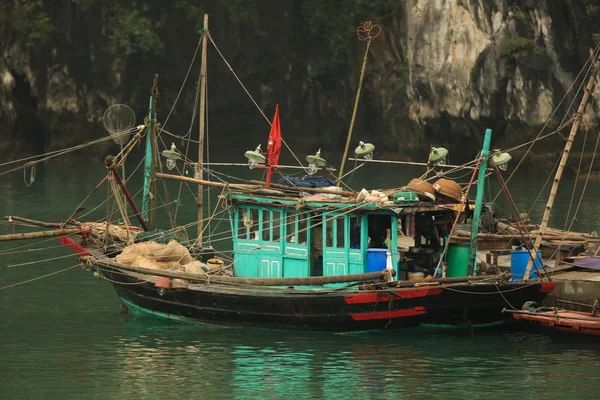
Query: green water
x=63, y=337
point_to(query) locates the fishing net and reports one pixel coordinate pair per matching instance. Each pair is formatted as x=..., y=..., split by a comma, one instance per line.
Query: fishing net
x=118, y=120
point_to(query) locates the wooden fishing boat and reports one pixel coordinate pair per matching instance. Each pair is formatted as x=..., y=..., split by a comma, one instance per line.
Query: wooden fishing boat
x=303, y=257
x=575, y=322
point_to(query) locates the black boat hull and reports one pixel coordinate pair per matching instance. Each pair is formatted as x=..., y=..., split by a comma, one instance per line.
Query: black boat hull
x=333, y=310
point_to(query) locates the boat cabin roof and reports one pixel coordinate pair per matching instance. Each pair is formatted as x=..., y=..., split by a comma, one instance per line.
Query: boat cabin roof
x=322, y=203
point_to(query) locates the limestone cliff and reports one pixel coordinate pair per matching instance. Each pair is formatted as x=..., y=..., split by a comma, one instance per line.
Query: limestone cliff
x=441, y=72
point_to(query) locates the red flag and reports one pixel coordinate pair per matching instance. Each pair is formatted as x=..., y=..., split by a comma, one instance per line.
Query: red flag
x=274, y=145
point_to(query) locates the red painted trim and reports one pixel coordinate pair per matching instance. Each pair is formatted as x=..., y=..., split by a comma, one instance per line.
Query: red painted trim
x=68, y=242
x=547, y=287
x=409, y=312
x=378, y=297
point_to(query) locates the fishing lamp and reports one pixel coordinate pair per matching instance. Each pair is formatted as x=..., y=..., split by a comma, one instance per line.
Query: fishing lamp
x=365, y=150
x=501, y=159
x=438, y=155
x=315, y=162
x=172, y=156
x=255, y=157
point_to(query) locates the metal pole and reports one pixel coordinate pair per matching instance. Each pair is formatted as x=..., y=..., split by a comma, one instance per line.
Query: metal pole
x=200, y=198
x=561, y=167
x=485, y=153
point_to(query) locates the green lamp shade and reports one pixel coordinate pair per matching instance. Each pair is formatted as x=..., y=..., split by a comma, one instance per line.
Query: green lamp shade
x=365, y=150
x=501, y=158
x=256, y=156
x=317, y=160
x=171, y=154
x=437, y=155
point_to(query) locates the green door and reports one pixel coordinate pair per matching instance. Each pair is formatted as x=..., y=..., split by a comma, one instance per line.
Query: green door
x=342, y=244
x=296, y=260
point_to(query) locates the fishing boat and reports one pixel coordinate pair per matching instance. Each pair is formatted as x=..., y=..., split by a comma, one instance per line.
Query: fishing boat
x=306, y=254
x=557, y=319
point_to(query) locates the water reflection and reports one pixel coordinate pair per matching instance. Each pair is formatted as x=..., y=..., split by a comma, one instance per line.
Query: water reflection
x=62, y=337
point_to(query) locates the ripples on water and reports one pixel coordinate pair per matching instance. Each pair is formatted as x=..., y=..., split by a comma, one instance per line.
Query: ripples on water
x=62, y=337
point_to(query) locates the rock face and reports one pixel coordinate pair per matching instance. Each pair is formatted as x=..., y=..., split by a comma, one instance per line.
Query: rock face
x=440, y=73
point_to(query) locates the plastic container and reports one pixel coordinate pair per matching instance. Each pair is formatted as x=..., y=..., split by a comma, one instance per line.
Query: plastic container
x=376, y=259
x=457, y=259
x=405, y=198
x=518, y=264
x=416, y=276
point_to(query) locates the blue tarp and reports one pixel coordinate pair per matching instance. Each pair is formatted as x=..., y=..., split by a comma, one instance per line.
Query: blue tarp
x=309, y=181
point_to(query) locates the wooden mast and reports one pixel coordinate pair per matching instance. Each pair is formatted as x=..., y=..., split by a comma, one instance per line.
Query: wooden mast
x=561, y=167
x=200, y=198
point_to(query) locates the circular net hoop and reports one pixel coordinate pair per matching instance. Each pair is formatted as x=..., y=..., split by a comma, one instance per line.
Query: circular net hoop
x=118, y=120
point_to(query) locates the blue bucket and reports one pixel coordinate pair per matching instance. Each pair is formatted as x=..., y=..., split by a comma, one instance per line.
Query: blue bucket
x=518, y=264
x=376, y=259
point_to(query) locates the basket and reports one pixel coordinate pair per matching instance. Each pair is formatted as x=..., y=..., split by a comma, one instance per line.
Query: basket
x=424, y=189
x=448, y=188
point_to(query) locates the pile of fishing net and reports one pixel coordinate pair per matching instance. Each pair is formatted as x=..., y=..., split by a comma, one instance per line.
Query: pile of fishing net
x=172, y=256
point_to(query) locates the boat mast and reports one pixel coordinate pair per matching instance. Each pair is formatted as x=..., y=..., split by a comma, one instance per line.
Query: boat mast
x=485, y=153
x=365, y=33
x=149, y=198
x=200, y=170
x=561, y=167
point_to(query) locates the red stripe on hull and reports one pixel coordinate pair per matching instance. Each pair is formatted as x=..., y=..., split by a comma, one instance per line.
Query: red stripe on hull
x=377, y=297
x=410, y=312
x=547, y=287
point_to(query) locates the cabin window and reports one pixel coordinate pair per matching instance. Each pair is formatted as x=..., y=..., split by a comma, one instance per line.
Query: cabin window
x=303, y=228
x=290, y=227
x=329, y=224
x=340, y=231
x=354, y=232
x=248, y=224
x=266, y=225
x=276, y=223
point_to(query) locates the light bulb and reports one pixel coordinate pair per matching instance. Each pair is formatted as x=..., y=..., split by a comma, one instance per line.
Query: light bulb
x=171, y=164
x=312, y=169
x=503, y=167
x=252, y=163
x=197, y=172
x=368, y=156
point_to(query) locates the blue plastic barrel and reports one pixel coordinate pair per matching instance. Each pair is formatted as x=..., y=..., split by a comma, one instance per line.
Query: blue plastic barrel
x=376, y=259
x=518, y=264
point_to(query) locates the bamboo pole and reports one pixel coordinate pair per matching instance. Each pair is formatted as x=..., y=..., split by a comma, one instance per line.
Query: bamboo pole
x=349, y=138
x=413, y=163
x=129, y=198
x=32, y=222
x=200, y=198
x=561, y=166
x=37, y=235
x=308, y=281
x=203, y=182
x=310, y=190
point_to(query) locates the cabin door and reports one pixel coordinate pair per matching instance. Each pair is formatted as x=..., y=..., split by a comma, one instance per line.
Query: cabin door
x=296, y=261
x=342, y=244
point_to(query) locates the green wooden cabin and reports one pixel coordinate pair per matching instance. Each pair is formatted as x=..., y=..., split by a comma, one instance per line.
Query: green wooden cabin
x=284, y=238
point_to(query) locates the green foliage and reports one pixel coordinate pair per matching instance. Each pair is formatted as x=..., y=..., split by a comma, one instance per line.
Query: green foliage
x=334, y=23
x=519, y=14
x=596, y=38
x=592, y=10
x=515, y=47
x=28, y=22
x=193, y=12
x=132, y=32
